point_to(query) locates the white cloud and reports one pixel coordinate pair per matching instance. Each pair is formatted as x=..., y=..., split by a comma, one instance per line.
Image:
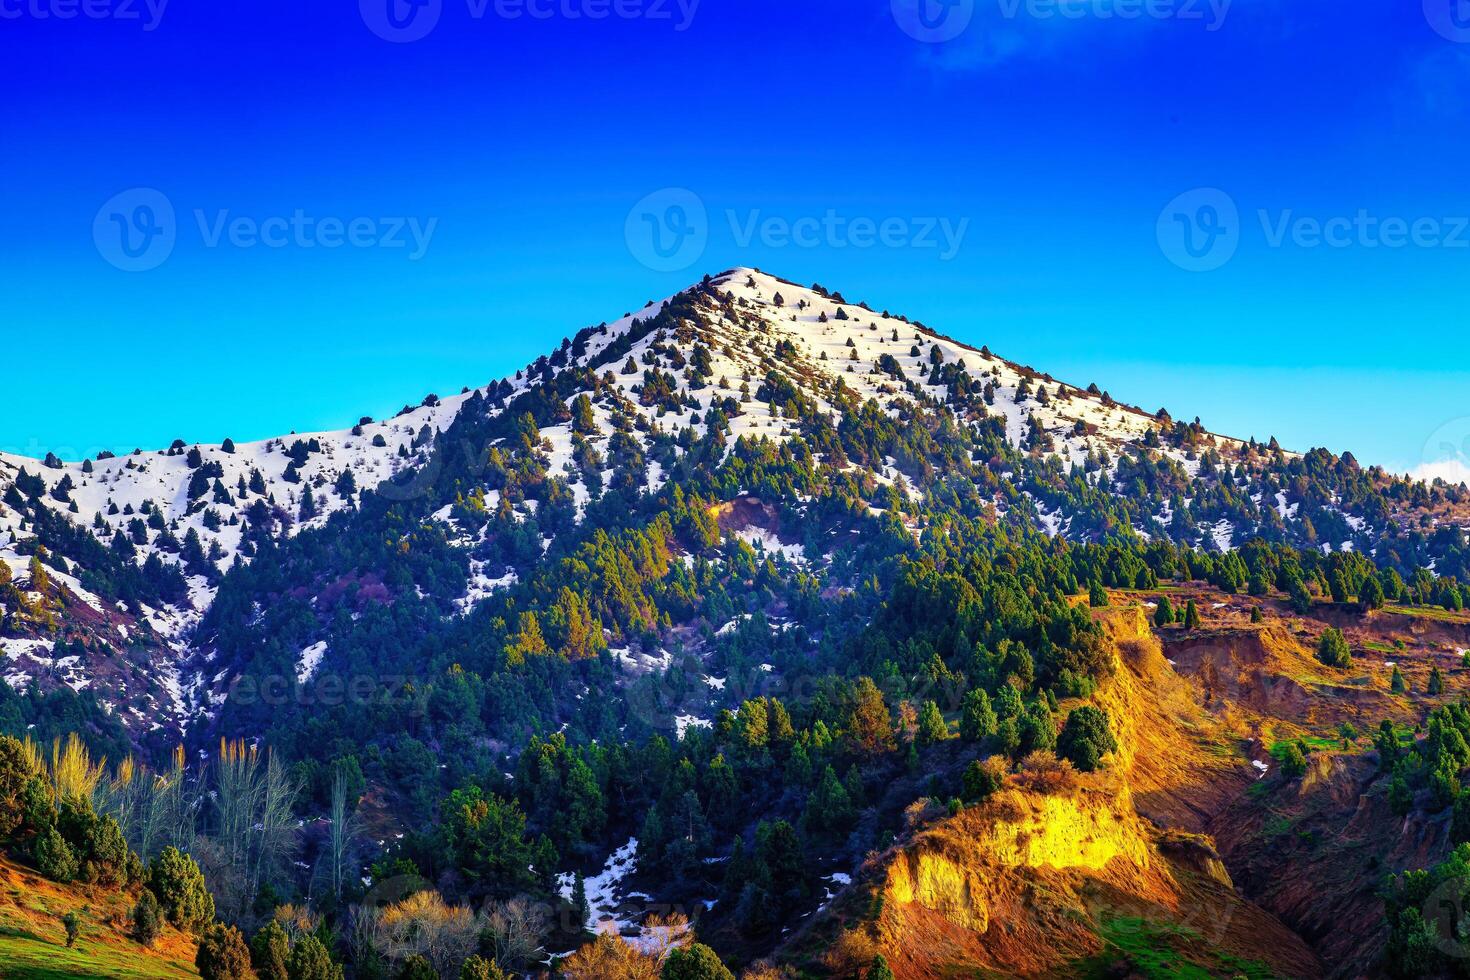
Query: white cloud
x=1449, y=470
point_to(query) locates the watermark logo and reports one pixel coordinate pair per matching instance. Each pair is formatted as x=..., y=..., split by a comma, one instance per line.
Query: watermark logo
x=148, y=13
x=933, y=21
x=1446, y=453
x=1199, y=230
x=136, y=230
x=938, y=21
x=1449, y=18
x=401, y=21
x=668, y=230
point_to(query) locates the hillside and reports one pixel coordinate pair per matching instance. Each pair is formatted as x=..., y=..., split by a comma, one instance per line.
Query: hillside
x=767, y=356
x=33, y=941
x=720, y=605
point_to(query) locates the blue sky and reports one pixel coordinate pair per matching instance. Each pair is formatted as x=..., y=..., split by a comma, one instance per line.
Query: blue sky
x=1250, y=212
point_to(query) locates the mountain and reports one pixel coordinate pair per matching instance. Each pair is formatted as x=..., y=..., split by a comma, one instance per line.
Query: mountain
x=758, y=349
x=704, y=602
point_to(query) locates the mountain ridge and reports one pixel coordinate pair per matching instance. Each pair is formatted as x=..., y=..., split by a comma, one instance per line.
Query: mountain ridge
x=760, y=350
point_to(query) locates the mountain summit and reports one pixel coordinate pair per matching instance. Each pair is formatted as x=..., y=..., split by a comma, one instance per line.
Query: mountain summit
x=761, y=603
x=138, y=544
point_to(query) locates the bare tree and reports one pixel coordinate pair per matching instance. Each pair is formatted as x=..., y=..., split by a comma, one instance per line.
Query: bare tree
x=337, y=861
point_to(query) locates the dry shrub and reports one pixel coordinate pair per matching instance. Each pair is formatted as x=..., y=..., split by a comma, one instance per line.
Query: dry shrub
x=1044, y=773
x=515, y=930
x=662, y=934
x=424, y=925
x=922, y=811
x=609, y=958
x=764, y=970
x=852, y=951
x=297, y=920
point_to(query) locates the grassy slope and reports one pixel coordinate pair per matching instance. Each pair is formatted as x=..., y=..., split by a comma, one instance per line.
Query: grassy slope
x=33, y=942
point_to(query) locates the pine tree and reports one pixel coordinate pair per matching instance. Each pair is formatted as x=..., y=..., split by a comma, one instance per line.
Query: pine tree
x=72, y=923
x=932, y=727
x=1333, y=650
x=580, y=905
x=1436, y=682
x=1086, y=738
x=479, y=968
x=269, y=951
x=869, y=723
x=1396, y=681
x=1097, y=596
x=695, y=962
x=148, y=921
x=1191, y=616
x=222, y=954
x=1164, y=615
x=1370, y=594
x=977, y=717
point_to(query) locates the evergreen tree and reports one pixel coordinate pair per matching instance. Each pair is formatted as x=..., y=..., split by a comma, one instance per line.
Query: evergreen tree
x=1164, y=614
x=269, y=951
x=1436, y=681
x=310, y=961
x=1333, y=650
x=1191, y=616
x=980, y=781
x=870, y=725
x=417, y=968
x=148, y=921
x=1097, y=596
x=879, y=970
x=932, y=727
x=479, y=968
x=54, y=856
x=695, y=962
x=72, y=923
x=178, y=884
x=1396, y=682
x=222, y=954
x=1086, y=738
x=977, y=717
x=1370, y=594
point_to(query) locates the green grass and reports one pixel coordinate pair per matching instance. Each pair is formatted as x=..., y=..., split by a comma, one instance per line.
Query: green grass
x=1316, y=743
x=33, y=940
x=1428, y=612
x=1164, y=951
x=27, y=956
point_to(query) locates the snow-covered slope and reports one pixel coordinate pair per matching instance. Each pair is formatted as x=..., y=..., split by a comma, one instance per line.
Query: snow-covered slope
x=189, y=505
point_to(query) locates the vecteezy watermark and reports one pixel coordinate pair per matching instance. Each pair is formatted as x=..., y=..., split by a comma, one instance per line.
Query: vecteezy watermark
x=1449, y=18
x=933, y=21
x=1211, y=13
x=403, y=21
x=137, y=230
x=669, y=230
x=1447, y=453
x=1200, y=230
x=938, y=21
x=147, y=13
